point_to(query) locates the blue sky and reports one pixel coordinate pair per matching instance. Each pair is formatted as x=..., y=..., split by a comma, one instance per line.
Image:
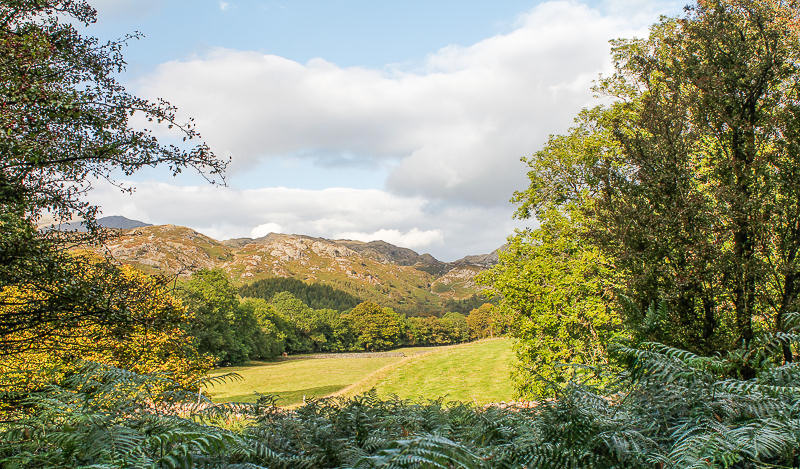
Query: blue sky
x=402, y=121
x=348, y=33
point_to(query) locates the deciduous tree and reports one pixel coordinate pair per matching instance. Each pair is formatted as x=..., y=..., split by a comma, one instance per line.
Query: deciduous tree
x=688, y=182
x=66, y=122
x=375, y=328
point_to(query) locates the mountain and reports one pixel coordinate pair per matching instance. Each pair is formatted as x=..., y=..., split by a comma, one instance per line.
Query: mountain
x=114, y=221
x=483, y=260
x=390, y=275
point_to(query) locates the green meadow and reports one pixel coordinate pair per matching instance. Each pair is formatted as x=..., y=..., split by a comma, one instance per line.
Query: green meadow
x=475, y=372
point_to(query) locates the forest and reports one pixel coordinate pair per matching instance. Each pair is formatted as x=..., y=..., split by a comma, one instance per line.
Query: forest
x=234, y=330
x=654, y=304
x=315, y=295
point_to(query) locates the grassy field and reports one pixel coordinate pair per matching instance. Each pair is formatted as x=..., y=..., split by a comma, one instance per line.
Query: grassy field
x=290, y=380
x=476, y=372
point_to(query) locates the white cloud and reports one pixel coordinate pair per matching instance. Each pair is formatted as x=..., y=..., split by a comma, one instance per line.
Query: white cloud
x=451, y=129
x=265, y=229
x=224, y=6
x=455, y=127
x=414, y=238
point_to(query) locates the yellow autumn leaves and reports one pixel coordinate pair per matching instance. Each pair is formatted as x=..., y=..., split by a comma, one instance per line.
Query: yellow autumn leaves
x=149, y=337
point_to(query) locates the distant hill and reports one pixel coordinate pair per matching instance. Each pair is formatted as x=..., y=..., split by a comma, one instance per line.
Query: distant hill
x=390, y=275
x=114, y=221
x=483, y=260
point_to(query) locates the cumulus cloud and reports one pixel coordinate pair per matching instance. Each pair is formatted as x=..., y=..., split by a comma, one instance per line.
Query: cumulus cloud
x=224, y=6
x=414, y=238
x=453, y=127
x=265, y=229
x=223, y=213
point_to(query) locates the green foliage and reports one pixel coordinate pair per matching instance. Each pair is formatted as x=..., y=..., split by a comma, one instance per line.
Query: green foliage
x=375, y=328
x=102, y=416
x=688, y=181
x=311, y=330
x=305, y=329
x=430, y=330
x=682, y=194
x=456, y=326
x=65, y=122
x=231, y=332
x=488, y=321
x=237, y=330
x=315, y=295
x=673, y=409
x=465, y=305
x=148, y=337
x=558, y=292
x=67, y=119
x=271, y=342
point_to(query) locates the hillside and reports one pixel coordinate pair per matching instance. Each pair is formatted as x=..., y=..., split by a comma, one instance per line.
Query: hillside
x=378, y=271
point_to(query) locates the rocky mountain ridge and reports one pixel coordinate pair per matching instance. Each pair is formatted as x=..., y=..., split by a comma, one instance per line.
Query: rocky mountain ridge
x=376, y=270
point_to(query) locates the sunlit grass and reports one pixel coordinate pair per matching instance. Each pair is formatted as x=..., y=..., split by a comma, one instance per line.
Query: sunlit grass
x=476, y=372
x=292, y=380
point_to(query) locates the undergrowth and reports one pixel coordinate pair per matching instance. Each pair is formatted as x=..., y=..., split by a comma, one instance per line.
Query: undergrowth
x=672, y=409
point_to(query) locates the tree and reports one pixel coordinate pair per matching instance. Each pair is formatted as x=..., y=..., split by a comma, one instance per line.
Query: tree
x=558, y=291
x=376, y=328
x=455, y=326
x=212, y=299
x=231, y=331
x=689, y=180
x=155, y=341
x=272, y=342
x=487, y=321
x=308, y=329
x=65, y=122
x=315, y=295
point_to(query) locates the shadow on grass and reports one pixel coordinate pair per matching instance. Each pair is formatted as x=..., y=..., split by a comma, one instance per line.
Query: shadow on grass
x=252, y=364
x=286, y=397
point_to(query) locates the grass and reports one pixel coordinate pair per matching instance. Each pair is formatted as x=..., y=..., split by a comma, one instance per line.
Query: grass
x=291, y=380
x=476, y=372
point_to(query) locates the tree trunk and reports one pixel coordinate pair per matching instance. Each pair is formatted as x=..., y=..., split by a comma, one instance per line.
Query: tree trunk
x=709, y=321
x=788, y=299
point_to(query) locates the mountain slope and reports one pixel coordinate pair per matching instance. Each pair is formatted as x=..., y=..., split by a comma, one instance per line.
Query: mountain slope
x=378, y=271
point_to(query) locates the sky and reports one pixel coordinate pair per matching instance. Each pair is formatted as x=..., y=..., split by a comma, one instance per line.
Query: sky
x=396, y=120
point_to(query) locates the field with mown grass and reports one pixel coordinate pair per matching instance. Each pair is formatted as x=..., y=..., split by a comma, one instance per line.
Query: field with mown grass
x=475, y=372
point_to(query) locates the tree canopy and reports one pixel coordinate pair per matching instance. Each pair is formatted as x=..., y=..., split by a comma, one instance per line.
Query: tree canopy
x=65, y=123
x=685, y=187
x=315, y=295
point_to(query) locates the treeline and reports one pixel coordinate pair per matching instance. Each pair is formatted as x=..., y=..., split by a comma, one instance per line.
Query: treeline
x=315, y=295
x=235, y=330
